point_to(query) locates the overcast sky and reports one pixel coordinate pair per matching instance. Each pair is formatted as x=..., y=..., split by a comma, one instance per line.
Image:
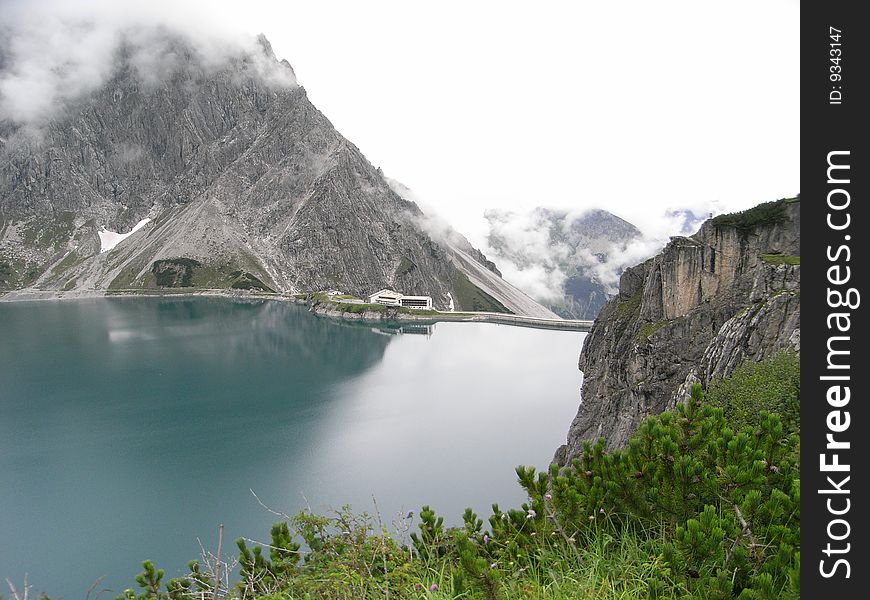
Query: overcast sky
x=630, y=106
x=635, y=107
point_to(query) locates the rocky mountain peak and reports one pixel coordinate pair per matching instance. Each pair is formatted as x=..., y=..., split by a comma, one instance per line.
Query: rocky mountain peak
x=239, y=177
x=265, y=45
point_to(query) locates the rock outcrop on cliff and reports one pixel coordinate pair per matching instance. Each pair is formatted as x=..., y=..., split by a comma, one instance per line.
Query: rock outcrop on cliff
x=241, y=177
x=705, y=304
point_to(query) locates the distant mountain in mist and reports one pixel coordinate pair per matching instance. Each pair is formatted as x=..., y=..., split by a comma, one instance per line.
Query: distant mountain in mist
x=686, y=220
x=243, y=182
x=569, y=262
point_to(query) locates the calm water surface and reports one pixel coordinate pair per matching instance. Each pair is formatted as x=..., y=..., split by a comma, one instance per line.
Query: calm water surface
x=130, y=428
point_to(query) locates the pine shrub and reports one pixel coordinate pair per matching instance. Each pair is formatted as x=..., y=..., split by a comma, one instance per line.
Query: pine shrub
x=703, y=503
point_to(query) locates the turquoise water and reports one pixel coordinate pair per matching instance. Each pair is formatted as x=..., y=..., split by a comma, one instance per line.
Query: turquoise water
x=131, y=428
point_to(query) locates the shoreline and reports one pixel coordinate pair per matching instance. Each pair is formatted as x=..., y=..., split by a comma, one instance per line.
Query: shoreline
x=49, y=295
x=329, y=309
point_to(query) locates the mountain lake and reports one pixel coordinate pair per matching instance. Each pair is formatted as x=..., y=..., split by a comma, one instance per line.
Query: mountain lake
x=130, y=428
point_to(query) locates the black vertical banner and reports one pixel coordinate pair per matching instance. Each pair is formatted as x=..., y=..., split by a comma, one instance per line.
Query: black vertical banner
x=835, y=420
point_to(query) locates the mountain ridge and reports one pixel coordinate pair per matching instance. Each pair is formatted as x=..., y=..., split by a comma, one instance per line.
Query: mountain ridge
x=236, y=170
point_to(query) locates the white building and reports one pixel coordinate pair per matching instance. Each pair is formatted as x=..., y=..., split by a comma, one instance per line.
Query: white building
x=422, y=302
x=391, y=298
x=386, y=297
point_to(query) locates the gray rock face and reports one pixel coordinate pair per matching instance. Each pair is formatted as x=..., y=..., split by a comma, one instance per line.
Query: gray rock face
x=692, y=313
x=236, y=169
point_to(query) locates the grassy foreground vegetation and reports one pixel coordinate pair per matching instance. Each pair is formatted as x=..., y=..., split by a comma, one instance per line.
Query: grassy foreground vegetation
x=703, y=503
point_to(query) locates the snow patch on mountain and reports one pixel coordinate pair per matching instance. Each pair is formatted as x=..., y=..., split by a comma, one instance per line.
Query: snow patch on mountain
x=110, y=239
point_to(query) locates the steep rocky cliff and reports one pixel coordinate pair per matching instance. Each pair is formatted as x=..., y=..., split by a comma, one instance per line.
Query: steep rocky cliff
x=706, y=303
x=242, y=179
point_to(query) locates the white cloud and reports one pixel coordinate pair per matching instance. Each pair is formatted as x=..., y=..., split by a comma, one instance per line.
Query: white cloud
x=532, y=259
x=539, y=282
x=55, y=52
